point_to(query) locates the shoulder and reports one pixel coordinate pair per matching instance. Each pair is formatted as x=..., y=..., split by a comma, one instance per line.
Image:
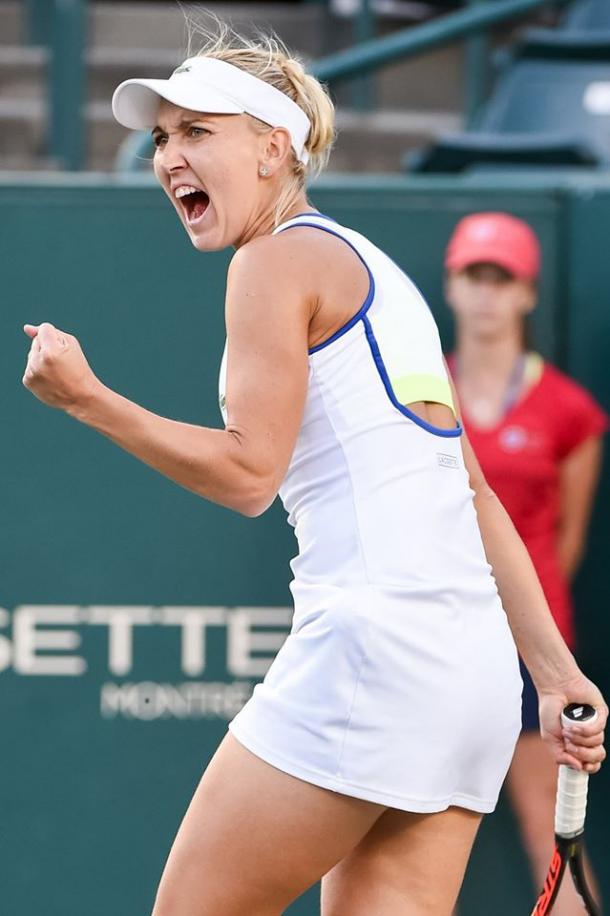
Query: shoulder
x=307, y=254
x=268, y=275
x=573, y=411
x=559, y=385
x=271, y=285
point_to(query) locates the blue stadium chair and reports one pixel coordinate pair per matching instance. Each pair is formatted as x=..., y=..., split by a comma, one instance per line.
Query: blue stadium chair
x=463, y=152
x=565, y=45
x=589, y=15
x=552, y=104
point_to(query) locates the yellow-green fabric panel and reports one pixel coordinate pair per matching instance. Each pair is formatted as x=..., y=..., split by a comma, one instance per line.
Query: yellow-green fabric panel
x=534, y=364
x=411, y=388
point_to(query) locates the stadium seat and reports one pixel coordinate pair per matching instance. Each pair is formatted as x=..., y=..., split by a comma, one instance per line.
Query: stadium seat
x=590, y=15
x=552, y=104
x=564, y=45
x=461, y=152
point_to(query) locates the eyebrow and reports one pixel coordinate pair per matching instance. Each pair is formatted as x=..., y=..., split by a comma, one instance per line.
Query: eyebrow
x=185, y=122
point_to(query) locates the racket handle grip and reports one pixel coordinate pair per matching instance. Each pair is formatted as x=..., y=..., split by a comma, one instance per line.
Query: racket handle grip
x=572, y=785
x=571, y=804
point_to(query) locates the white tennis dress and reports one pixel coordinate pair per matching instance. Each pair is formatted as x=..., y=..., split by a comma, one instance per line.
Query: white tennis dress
x=399, y=681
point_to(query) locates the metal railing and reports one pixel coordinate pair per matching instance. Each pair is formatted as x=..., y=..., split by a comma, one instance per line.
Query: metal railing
x=65, y=29
x=61, y=26
x=473, y=22
x=380, y=52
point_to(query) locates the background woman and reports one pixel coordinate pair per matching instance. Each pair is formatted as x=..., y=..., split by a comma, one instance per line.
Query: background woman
x=538, y=437
x=359, y=758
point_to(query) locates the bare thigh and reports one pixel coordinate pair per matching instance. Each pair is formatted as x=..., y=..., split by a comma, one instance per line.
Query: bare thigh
x=254, y=838
x=406, y=865
x=531, y=784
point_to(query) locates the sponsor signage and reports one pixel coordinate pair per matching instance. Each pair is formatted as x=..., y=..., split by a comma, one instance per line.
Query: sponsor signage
x=151, y=662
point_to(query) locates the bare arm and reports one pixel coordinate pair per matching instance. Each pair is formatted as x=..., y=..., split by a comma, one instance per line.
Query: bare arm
x=539, y=642
x=241, y=466
x=556, y=675
x=578, y=477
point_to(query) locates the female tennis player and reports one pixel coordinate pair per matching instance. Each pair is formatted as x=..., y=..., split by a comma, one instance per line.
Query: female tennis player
x=385, y=726
x=538, y=437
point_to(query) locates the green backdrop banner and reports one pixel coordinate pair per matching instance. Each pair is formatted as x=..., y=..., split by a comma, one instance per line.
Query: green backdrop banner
x=135, y=619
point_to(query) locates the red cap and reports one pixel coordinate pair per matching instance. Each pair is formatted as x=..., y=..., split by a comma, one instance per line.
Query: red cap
x=494, y=238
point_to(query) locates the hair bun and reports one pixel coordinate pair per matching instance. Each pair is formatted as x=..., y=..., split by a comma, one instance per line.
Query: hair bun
x=293, y=70
x=313, y=98
x=267, y=58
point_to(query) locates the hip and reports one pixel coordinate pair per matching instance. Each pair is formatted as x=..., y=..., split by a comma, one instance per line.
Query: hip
x=403, y=629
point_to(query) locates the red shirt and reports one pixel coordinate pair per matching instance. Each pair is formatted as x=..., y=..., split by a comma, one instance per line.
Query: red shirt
x=521, y=458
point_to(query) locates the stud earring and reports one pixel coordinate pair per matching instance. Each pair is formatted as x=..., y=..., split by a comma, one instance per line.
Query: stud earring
x=263, y=171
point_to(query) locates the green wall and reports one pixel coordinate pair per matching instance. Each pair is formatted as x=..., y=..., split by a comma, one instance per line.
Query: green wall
x=134, y=618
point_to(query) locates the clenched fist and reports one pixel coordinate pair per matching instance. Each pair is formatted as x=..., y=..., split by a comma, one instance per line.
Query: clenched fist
x=57, y=371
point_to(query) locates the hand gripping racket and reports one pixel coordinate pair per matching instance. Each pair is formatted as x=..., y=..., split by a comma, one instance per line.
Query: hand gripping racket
x=570, y=810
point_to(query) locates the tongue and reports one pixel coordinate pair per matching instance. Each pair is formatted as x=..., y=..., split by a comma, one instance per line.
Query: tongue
x=198, y=209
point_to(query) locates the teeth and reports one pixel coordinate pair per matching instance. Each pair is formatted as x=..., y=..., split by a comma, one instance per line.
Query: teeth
x=185, y=189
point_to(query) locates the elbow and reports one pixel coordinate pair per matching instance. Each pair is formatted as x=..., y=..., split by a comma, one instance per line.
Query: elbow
x=251, y=480
x=485, y=498
x=485, y=492
x=259, y=491
x=253, y=497
x=481, y=489
x=254, y=509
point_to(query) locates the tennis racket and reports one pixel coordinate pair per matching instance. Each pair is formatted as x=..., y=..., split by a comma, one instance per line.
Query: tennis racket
x=570, y=810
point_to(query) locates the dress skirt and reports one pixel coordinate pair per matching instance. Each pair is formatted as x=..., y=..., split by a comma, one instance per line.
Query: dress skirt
x=400, y=699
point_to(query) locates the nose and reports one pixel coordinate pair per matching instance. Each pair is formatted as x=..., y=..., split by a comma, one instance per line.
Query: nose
x=485, y=287
x=172, y=157
x=483, y=295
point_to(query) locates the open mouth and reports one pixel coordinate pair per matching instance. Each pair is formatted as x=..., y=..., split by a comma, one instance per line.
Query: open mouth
x=194, y=204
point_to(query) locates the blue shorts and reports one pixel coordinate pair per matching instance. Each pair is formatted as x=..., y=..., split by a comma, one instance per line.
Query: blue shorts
x=529, y=702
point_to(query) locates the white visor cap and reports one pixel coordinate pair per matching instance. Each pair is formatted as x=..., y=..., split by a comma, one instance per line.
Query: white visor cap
x=211, y=86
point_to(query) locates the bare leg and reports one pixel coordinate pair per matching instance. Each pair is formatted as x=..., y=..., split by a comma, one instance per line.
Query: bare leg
x=254, y=838
x=406, y=865
x=532, y=785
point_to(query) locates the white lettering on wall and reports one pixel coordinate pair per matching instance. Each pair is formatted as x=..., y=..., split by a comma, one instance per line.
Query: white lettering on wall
x=194, y=622
x=120, y=622
x=243, y=642
x=30, y=637
x=45, y=638
x=194, y=700
x=6, y=649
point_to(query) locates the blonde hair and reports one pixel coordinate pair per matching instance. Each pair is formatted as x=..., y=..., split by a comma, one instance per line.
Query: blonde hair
x=266, y=57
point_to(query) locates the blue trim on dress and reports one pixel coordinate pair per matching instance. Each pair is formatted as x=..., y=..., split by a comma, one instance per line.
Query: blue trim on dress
x=370, y=336
x=436, y=430
x=370, y=295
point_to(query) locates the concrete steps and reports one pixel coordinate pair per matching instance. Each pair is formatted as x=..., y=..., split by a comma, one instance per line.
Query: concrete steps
x=372, y=142
x=377, y=142
x=11, y=28
x=162, y=25
x=414, y=101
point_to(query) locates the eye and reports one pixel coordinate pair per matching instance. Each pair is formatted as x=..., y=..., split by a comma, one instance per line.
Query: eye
x=159, y=140
x=195, y=131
